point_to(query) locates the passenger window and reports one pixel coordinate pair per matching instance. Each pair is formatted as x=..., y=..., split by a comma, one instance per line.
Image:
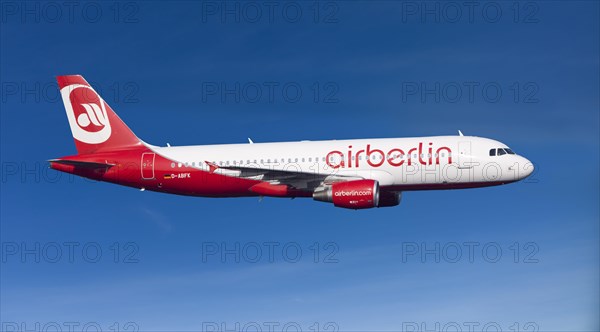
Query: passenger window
x=492, y=152
x=501, y=152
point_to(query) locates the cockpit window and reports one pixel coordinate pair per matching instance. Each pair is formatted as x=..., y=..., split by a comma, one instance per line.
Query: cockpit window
x=501, y=152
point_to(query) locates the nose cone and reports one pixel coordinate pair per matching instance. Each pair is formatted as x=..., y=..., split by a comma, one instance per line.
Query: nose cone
x=527, y=168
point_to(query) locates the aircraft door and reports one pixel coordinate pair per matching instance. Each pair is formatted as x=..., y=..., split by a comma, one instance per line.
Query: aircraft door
x=464, y=155
x=148, y=165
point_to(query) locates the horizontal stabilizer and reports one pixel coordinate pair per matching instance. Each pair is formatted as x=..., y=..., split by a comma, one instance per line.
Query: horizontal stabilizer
x=81, y=164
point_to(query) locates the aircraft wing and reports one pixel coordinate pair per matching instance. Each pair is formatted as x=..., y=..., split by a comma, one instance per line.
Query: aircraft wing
x=292, y=179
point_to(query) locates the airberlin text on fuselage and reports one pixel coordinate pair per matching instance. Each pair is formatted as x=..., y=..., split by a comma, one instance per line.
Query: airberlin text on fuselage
x=394, y=157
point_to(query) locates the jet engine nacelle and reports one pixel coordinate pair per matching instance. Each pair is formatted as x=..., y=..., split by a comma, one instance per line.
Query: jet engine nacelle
x=389, y=198
x=359, y=194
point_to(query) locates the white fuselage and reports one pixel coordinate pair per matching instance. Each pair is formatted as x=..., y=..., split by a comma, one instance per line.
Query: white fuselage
x=401, y=162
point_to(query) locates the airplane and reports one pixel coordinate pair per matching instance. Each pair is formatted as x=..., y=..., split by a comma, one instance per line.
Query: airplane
x=352, y=174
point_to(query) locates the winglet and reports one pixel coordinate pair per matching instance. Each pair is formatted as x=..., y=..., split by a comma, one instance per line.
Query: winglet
x=460, y=133
x=250, y=141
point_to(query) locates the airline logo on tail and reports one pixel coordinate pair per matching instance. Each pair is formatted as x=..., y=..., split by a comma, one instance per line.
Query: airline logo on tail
x=86, y=112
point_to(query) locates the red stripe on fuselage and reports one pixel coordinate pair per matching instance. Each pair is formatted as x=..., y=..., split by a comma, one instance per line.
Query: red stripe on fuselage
x=183, y=180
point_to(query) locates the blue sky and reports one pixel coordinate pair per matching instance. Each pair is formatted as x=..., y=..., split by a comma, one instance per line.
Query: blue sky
x=160, y=266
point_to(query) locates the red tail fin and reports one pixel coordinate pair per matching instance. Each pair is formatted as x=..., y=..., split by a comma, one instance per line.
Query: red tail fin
x=94, y=125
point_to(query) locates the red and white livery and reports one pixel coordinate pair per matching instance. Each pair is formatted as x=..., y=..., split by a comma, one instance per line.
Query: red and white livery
x=354, y=174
